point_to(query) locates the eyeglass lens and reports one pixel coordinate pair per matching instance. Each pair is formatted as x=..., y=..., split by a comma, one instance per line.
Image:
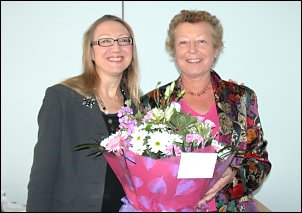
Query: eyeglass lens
x=106, y=42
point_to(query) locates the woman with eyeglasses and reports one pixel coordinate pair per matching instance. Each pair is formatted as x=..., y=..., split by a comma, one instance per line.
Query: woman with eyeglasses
x=194, y=41
x=81, y=110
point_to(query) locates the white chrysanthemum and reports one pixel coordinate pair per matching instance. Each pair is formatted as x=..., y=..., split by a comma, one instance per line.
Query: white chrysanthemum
x=137, y=141
x=159, y=141
x=138, y=136
x=138, y=148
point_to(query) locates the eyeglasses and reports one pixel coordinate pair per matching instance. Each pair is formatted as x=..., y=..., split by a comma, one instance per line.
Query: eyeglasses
x=107, y=42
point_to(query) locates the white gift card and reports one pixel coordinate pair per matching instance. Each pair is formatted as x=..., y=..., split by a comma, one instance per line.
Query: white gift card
x=196, y=165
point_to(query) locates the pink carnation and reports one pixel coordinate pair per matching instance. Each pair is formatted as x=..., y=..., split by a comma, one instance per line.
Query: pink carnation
x=116, y=143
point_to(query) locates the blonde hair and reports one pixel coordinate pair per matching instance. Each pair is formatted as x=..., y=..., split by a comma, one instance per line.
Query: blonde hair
x=88, y=80
x=193, y=16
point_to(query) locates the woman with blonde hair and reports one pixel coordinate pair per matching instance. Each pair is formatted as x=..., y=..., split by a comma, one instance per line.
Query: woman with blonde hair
x=79, y=110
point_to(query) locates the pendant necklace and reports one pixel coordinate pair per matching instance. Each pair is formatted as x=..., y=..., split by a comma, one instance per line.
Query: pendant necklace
x=102, y=105
x=100, y=102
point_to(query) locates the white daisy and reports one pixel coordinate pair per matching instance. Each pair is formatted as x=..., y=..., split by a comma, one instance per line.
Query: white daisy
x=159, y=141
x=137, y=141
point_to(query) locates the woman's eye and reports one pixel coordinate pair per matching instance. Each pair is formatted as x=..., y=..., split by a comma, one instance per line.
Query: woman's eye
x=105, y=40
x=182, y=43
x=201, y=41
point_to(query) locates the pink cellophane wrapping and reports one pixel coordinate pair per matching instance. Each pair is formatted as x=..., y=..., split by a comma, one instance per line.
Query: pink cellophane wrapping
x=151, y=184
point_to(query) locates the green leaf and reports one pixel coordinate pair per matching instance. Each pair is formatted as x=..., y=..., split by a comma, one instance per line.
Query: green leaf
x=96, y=149
x=86, y=146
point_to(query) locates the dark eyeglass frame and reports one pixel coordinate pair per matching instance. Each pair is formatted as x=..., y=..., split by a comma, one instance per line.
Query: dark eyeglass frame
x=118, y=40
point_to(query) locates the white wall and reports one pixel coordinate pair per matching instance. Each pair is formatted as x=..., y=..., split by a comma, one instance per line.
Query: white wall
x=41, y=45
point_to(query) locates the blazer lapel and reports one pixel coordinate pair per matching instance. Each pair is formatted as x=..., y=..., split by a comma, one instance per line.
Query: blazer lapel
x=92, y=110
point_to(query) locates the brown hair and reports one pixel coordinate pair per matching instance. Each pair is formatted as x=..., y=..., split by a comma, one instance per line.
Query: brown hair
x=193, y=16
x=84, y=83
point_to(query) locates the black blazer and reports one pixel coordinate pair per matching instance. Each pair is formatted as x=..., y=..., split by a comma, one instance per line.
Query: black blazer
x=61, y=178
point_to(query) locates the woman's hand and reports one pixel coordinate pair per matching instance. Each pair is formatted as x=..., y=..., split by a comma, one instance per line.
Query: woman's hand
x=225, y=179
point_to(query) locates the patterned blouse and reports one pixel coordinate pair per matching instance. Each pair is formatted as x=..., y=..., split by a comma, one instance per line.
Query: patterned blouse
x=239, y=120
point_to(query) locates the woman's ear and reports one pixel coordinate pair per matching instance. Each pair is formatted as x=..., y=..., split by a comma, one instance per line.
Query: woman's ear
x=92, y=54
x=216, y=54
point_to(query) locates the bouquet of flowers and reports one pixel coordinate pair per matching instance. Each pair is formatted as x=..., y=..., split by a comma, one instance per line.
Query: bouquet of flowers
x=145, y=156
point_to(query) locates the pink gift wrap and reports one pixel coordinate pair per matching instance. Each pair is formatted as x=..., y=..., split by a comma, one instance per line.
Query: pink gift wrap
x=151, y=184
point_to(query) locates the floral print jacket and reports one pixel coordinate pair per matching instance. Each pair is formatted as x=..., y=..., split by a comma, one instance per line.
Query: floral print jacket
x=237, y=110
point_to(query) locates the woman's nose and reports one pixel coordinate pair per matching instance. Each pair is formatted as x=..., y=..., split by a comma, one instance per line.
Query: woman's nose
x=192, y=47
x=116, y=46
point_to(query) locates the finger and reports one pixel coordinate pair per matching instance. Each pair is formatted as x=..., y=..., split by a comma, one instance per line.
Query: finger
x=214, y=189
x=217, y=186
x=206, y=199
x=227, y=172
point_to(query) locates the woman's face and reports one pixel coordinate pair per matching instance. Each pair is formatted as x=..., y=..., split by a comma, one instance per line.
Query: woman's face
x=114, y=59
x=194, y=48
